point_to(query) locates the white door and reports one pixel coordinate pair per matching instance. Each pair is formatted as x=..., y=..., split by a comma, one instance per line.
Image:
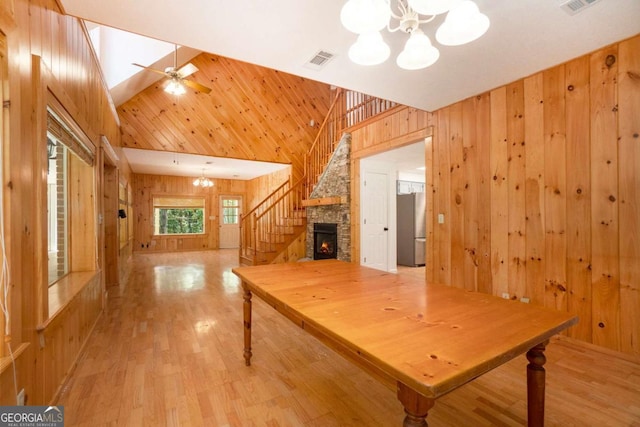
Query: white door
x=230, y=210
x=374, y=220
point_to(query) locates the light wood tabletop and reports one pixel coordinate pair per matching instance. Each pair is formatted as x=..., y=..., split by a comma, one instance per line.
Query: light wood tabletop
x=424, y=340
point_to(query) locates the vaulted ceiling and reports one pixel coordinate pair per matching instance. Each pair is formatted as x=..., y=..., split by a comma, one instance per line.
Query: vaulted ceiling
x=258, y=113
x=525, y=36
x=252, y=113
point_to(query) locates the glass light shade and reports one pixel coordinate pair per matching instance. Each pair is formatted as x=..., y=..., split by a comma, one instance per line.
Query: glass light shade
x=432, y=7
x=203, y=182
x=418, y=52
x=369, y=49
x=363, y=16
x=464, y=24
x=175, y=87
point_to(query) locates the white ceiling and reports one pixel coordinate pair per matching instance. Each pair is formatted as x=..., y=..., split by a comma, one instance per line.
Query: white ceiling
x=178, y=164
x=525, y=36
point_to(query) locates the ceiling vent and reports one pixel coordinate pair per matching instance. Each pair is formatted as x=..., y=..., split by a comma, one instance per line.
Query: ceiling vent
x=574, y=6
x=319, y=60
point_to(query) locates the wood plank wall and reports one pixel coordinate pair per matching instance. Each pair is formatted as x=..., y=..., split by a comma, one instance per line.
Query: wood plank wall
x=145, y=187
x=40, y=38
x=538, y=181
x=259, y=188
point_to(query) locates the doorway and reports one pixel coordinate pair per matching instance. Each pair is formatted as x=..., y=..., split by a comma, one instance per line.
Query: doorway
x=230, y=211
x=110, y=189
x=399, y=166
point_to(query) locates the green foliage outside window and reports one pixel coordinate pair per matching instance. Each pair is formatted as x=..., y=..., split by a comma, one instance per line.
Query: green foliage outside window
x=179, y=220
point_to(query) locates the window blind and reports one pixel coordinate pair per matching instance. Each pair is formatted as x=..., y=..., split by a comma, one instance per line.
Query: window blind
x=178, y=202
x=60, y=132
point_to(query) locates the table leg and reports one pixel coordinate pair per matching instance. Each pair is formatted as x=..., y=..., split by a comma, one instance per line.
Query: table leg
x=247, y=325
x=415, y=405
x=536, y=385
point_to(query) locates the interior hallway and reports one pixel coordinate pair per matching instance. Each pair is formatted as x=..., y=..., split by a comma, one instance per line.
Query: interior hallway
x=168, y=352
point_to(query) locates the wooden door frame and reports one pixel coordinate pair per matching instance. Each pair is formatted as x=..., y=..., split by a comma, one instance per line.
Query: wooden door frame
x=110, y=242
x=426, y=135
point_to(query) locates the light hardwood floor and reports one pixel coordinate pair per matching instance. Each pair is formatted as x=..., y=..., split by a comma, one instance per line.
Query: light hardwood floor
x=168, y=352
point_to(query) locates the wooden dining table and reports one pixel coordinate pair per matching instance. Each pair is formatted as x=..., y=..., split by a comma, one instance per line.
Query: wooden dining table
x=423, y=340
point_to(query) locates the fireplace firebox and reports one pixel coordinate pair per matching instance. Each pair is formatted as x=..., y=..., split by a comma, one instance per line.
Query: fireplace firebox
x=325, y=241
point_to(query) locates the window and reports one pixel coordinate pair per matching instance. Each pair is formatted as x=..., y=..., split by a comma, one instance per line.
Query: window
x=70, y=201
x=57, y=209
x=230, y=211
x=178, y=215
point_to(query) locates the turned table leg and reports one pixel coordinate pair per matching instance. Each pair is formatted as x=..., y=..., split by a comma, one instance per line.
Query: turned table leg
x=415, y=405
x=247, y=325
x=536, y=385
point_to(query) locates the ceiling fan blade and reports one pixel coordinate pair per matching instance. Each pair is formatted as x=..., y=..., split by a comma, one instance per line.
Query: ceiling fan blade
x=150, y=69
x=196, y=86
x=187, y=70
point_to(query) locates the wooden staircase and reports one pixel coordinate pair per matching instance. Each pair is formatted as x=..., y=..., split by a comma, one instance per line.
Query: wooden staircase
x=272, y=225
x=279, y=219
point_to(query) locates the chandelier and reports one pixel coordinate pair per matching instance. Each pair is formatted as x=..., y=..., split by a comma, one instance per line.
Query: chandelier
x=463, y=24
x=203, y=182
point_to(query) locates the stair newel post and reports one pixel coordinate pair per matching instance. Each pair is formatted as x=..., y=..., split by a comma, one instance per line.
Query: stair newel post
x=305, y=177
x=281, y=212
x=272, y=227
x=284, y=209
x=254, y=228
x=266, y=221
x=242, y=242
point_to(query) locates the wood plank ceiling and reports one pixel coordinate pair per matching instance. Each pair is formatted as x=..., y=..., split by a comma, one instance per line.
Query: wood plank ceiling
x=252, y=113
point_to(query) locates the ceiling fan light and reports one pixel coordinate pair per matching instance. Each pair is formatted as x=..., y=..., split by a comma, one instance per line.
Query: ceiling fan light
x=362, y=16
x=369, y=49
x=175, y=87
x=418, y=52
x=432, y=7
x=463, y=24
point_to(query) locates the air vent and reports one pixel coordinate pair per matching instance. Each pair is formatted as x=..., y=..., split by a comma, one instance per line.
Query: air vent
x=319, y=60
x=574, y=6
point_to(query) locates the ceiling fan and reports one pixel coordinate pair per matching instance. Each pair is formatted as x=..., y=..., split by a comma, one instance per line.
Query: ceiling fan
x=177, y=77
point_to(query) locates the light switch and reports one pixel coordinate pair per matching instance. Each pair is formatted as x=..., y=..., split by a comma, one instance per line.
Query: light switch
x=440, y=218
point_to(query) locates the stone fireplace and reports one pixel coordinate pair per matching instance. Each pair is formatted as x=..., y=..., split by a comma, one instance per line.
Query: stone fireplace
x=333, y=184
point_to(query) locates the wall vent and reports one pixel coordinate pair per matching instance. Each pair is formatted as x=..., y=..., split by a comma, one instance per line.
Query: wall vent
x=320, y=59
x=574, y=6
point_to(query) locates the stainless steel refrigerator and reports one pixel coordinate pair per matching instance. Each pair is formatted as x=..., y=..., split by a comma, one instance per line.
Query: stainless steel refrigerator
x=411, y=210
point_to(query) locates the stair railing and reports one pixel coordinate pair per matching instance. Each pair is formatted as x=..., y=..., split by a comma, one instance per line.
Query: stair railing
x=261, y=228
x=329, y=135
x=248, y=242
x=284, y=212
x=348, y=109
